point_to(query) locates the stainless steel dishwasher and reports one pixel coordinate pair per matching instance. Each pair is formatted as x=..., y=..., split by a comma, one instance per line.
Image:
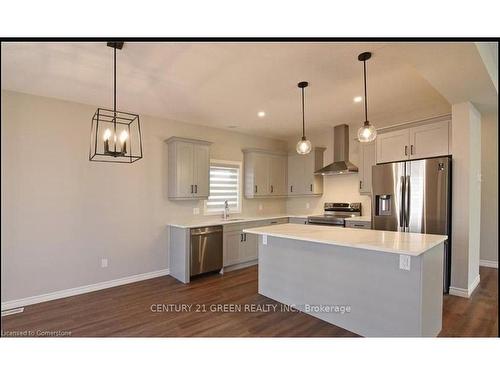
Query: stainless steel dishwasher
x=206, y=250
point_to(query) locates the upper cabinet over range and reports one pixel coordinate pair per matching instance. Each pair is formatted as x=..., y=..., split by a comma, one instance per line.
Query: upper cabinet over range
x=418, y=142
x=188, y=168
x=265, y=173
x=301, y=178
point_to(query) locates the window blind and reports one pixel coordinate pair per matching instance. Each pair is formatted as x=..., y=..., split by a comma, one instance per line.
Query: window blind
x=224, y=185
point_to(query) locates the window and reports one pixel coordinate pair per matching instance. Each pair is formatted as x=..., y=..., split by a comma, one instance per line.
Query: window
x=224, y=185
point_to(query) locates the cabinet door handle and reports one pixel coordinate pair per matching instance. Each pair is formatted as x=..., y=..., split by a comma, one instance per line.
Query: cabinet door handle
x=192, y=189
x=411, y=150
x=245, y=237
x=406, y=150
x=311, y=187
x=272, y=190
x=255, y=188
x=360, y=184
x=241, y=237
x=196, y=189
x=291, y=188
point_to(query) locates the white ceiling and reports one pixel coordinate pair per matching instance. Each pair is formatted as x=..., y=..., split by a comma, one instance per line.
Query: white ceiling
x=226, y=84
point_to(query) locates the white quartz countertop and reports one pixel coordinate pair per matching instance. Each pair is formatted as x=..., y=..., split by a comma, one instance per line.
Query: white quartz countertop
x=413, y=244
x=366, y=219
x=197, y=222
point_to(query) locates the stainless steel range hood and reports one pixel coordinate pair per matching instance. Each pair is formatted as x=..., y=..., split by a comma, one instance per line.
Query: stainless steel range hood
x=341, y=163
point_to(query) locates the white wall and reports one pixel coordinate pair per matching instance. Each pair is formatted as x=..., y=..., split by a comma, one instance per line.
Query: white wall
x=489, y=187
x=61, y=213
x=337, y=188
x=466, y=196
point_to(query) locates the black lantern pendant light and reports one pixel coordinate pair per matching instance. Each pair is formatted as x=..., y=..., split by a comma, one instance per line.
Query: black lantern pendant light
x=304, y=145
x=115, y=136
x=366, y=133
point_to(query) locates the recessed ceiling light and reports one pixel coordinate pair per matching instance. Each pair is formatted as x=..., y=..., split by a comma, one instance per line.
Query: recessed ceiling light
x=358, y=99
x=261, y=113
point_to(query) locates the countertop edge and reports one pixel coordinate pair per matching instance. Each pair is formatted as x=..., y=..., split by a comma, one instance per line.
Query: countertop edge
x=221, y=222
x=344, y=244
x=364, y=219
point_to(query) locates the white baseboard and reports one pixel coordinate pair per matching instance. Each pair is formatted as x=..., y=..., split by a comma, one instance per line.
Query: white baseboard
x=488, y=263
x=81, y=289
x=19, y=310
x=465, y=293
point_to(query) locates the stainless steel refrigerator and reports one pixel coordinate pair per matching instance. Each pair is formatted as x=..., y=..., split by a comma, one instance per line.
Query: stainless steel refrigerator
x=415, y=196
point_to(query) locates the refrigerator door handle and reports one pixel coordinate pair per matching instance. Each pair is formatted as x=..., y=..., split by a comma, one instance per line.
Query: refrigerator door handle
x=402, y=208
x=407, y=208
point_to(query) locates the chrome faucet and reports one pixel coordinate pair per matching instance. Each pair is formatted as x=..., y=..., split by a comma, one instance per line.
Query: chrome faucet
x=225, y=215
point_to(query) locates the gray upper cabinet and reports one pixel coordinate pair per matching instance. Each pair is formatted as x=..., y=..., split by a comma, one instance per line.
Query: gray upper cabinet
x=416, y=142
x=277, y=175
x=188, y=168
x=430, y=140
x=265, y=173
x=366, y=161
x=301, y=178
x=392, y=146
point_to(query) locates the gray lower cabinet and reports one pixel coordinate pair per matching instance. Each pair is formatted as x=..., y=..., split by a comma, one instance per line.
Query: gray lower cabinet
x=232, y=244
x=239, y=247
x=298, y=220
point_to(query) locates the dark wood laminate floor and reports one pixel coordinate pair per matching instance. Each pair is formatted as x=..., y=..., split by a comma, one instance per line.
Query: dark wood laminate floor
x=126, y=311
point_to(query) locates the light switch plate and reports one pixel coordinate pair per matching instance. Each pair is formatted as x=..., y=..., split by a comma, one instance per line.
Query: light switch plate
x=260, y=207
x=404, y=262
x=104, y=262
x=196, y=211
x=264, y=239
x=308, y=205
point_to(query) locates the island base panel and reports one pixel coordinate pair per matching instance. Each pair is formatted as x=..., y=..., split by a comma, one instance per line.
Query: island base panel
x=384, y=300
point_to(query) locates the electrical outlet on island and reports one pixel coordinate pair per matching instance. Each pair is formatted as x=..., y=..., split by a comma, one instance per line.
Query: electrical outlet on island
x=404, y=262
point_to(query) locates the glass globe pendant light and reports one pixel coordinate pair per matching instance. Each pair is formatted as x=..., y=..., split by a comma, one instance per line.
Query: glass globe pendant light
x=304, y=145
x=366, y=133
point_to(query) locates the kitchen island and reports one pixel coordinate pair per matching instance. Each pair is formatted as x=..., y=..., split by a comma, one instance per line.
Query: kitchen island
x=373, y=283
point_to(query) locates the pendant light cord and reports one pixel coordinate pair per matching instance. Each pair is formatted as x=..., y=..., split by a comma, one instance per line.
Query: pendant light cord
x=366, y=104
x=303, y=116
x=114, y=95
x=114, y=87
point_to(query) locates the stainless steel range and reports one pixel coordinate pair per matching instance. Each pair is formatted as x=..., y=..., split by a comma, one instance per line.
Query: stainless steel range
x=335, y=214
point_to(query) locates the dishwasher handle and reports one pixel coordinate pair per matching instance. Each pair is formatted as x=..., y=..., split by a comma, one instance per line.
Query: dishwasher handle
x=206, y=230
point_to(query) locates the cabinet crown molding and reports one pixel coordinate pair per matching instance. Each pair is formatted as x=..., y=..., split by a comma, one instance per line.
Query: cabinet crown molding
x=415, y=123
x=314, y=149
x=263, y=151
x=190, y=140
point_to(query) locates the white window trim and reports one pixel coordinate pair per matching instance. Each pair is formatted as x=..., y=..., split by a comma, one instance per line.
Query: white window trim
x=230, y=163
